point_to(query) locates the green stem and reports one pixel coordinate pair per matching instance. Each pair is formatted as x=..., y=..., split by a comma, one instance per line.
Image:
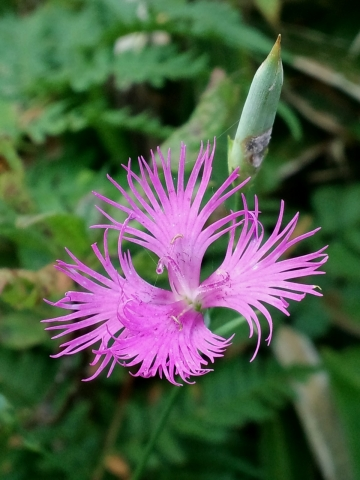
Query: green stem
x=229, y=326
x=164, y=415
x=237, y=201
x=174, y=394
x=114, y=427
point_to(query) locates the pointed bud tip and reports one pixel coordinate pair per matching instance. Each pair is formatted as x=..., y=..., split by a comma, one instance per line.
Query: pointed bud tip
x=275, y=52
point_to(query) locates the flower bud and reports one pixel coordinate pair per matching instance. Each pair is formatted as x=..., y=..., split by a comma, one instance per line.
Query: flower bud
x=254, y=131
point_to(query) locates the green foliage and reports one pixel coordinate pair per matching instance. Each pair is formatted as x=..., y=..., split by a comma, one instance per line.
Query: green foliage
x=21, y=330
x=283, y=450
x=62, y=57
x=237, y=394
x=86, y=84
x=344, y=373
x=211, y=115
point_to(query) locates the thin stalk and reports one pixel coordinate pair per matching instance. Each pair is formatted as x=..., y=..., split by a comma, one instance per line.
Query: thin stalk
x=114, y=427
x=174, y=394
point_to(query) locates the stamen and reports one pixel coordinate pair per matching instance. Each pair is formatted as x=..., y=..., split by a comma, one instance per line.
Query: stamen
x=160, y=266
x=214, y=285
x=176, y=320
x=178, y=235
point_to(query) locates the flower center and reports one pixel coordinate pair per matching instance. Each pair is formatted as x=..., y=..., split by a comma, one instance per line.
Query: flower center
x=178, y=278
x=196, y=306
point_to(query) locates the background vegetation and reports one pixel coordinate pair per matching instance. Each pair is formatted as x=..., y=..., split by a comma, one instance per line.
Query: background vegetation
x=85, y=84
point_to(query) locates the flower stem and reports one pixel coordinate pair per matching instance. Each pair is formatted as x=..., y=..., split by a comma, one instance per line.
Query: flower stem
x=229, y=327
x=174, y=394
x=114, y=427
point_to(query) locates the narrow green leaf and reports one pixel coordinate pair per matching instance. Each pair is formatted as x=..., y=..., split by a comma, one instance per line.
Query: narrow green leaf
x=210, y=117
x=345, y=379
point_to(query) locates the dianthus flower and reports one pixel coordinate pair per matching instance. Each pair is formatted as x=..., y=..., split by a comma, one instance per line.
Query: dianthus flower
x=131, y=322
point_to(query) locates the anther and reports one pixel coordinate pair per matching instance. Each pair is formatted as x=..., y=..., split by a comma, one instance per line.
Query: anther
x=178, y=235
x=178, y=322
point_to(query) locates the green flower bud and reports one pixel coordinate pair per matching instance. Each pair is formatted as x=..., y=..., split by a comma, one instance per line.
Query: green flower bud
x=254, y=131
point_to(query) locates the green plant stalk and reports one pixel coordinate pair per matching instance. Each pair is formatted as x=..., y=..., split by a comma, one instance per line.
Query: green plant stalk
x=174, y=394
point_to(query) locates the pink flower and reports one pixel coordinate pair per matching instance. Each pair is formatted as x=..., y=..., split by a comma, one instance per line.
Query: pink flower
x=131, y=322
